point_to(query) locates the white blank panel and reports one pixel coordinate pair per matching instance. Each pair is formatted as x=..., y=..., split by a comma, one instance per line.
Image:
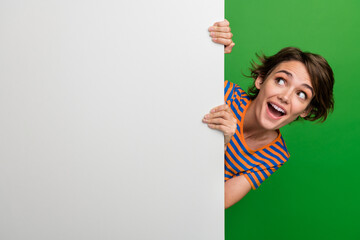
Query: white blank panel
x=101, y=105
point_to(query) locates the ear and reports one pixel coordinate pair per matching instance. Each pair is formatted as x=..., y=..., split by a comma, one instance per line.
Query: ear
x=259, y=80
x=306, y=112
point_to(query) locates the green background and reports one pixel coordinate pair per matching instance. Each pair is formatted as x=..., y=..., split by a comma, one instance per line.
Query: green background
x=315, y=195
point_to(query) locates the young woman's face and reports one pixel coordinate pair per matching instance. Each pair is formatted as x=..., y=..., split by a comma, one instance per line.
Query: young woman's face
x=284, y=95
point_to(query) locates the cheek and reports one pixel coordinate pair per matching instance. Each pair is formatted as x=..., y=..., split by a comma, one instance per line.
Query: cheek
x=298, y=107
x=274, y=89
x=268, y=92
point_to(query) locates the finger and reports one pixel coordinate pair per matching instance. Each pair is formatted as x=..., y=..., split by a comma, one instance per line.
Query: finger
x=229, y=48
x=231, y=127
x=230, y=122
x=221, y=108
x=218, y=121
x=224, y=23
x=221, y=114
x=222, y=41
x=227, y=35
x=219, y=29
x=224, y=108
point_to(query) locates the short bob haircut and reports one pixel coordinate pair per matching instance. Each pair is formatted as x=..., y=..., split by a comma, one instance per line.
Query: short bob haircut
x=320, y=72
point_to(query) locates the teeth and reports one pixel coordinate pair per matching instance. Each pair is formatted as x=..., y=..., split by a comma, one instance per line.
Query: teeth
x=277, y=108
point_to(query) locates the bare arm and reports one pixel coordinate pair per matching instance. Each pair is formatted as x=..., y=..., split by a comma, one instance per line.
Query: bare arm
x=222, y=119
x=235, y=189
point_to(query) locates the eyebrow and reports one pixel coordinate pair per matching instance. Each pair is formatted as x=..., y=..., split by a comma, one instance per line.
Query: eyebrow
x=304, y=84
x=286, y=72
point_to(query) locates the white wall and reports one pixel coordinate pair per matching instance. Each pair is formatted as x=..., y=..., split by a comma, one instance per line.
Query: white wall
x=100, y=128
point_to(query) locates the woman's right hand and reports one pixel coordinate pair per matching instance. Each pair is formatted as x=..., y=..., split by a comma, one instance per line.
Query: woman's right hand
x=221, y=33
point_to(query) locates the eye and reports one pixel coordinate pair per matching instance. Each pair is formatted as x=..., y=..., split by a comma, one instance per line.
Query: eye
x=302, y=95
x=280, y=81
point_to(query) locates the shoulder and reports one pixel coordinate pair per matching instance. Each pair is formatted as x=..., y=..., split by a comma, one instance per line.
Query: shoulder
x=233, y=91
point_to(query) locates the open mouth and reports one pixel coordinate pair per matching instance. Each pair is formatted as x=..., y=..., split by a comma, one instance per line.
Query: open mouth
x=275, y=110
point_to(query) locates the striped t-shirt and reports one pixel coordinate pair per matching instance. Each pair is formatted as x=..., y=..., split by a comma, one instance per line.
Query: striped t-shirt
x=256, y=165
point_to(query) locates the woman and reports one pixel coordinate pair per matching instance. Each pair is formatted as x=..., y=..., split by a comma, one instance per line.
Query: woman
x=287, y=86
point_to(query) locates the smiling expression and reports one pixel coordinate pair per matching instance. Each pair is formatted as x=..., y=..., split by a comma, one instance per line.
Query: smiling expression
x=284, y=95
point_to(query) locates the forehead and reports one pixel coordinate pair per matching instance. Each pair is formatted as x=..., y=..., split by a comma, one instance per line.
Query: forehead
x=296, y=69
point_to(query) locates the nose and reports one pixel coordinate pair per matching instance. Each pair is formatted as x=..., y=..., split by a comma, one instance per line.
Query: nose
x=284, y=97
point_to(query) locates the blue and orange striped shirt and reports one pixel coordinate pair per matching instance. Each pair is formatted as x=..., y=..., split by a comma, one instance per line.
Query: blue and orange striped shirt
x=256, y=165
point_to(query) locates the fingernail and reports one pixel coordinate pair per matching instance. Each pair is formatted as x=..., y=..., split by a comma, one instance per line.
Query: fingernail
x=212, y=34
x=211, y=28
x=212, y=110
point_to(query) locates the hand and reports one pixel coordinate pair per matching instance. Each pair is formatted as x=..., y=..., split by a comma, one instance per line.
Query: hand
x=221, y=118
x=221, y=33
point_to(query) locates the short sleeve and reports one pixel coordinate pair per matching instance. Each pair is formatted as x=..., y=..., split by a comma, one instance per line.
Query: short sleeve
x=257, y=175
x=229, y=88
x=233, y=92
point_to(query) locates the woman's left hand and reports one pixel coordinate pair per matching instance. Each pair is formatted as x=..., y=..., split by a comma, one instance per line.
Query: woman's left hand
x=221, y=118
x=220, y=33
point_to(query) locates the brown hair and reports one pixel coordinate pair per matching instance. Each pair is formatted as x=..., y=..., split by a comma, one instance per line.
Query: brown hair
x=321, y=75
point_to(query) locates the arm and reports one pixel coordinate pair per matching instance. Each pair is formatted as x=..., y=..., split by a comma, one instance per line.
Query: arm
x=220, y=33
x=235, y=189
x=221, y=118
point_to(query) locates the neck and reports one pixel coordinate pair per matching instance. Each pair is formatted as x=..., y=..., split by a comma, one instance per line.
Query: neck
x=252, y=128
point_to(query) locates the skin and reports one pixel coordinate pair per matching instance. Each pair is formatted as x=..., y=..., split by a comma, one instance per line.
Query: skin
x=288, y=86
x=220, y=33
x=221, y=118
